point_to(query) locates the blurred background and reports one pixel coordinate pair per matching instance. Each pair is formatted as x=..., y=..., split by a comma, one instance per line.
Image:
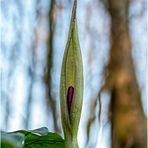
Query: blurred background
x=33, y=38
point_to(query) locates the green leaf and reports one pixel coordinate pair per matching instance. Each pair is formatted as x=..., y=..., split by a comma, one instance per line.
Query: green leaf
x=51, y=140
x=38, y=138
x=11, y=140
x=39, y=131
x=71, y=75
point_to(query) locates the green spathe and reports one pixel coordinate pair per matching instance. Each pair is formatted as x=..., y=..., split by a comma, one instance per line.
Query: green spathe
x=71, y=75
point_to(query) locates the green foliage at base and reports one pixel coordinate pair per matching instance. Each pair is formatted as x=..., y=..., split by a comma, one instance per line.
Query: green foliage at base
x=38, y=138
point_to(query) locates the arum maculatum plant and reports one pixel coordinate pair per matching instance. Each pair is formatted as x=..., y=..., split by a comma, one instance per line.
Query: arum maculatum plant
x=71, y=85
x=71, y=95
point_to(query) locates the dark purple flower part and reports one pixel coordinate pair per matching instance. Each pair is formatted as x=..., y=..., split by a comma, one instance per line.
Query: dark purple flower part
x=70, y=96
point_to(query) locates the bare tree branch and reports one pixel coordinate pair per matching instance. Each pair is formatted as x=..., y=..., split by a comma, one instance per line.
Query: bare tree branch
x=50, y=100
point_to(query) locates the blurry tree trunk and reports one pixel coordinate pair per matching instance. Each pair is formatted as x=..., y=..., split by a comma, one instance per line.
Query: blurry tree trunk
x=28, y=106
x=50, y=100
x=32, y=74
x=7, y=111
x=128, y=122
x=29, y=99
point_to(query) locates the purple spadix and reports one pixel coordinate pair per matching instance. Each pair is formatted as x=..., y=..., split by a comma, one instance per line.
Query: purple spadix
x=70, y=93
